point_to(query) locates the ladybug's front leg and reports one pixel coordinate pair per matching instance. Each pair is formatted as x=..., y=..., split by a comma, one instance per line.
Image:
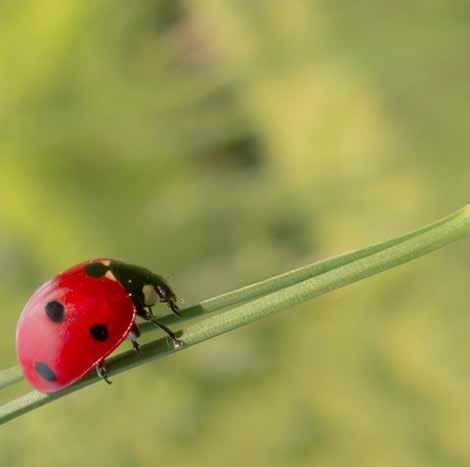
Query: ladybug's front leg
x=101, y=370
x=171, y=303
x=146, y=313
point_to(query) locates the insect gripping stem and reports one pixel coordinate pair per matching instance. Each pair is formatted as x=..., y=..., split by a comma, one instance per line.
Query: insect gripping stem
x=262, y=299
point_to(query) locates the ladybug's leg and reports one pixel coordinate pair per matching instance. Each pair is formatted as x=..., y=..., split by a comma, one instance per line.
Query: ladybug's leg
x=133, y=335
x=147, y=314
x=171, y=303
x=101, y=370
x=167, y=296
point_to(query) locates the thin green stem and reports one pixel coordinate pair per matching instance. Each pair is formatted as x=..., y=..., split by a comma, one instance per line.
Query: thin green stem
x=359, y=267
x=250, y=292
x=10, y=376
x=295, y=276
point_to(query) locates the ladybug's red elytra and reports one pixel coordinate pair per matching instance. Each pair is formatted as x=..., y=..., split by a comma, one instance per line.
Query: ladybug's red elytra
x=74, y=321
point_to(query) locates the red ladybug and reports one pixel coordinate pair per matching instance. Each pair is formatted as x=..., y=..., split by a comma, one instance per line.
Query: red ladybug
x=74, y=321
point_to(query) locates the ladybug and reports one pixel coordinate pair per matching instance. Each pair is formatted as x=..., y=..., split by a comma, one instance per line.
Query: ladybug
x=74, y=321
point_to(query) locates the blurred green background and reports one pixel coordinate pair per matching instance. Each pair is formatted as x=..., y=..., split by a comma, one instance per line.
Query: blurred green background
x=219, y=143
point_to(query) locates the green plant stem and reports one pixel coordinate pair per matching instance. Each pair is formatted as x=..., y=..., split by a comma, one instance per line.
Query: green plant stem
x=295, y=276
x=250, y=292
x=413, y=246
x=10, y=376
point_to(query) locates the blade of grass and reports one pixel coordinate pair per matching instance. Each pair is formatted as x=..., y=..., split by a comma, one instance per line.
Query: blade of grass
x=10, y=376
x=295, y=276
x=441, y=234
x=261, y=288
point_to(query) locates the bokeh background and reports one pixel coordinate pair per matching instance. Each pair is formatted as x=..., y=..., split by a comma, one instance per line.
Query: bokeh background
x=220, y=143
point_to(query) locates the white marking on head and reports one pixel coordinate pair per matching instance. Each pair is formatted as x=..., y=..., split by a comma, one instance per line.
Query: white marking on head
x=106, y=262
x=150, y=295
x=110, y=275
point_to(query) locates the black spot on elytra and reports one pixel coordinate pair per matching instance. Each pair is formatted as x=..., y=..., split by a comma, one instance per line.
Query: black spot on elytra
x=55, y=311
x=45, y=372
x=99, y=332
x=96, y=269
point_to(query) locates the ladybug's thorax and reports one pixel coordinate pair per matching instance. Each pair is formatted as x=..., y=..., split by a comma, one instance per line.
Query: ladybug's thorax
x=142, y=285
x=132, y=278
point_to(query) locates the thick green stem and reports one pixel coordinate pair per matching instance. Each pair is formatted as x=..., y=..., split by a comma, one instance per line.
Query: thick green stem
x=342, y=270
